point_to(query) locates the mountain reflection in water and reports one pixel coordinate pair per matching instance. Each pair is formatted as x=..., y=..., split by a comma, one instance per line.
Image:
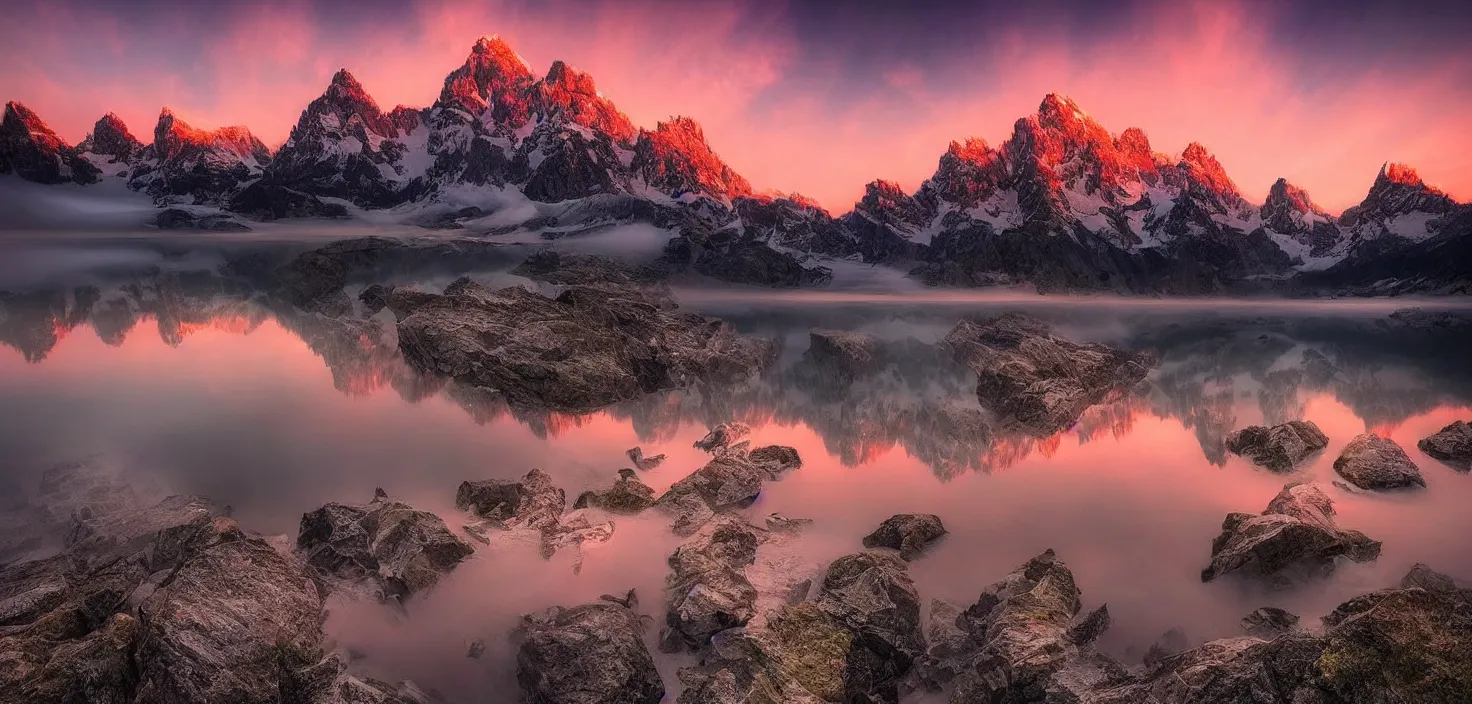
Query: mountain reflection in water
x=208, y=387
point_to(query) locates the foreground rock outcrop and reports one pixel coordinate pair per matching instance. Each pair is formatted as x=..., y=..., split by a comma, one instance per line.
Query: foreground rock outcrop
x=1452, y=445
x=1280, y=447
x=1022, y=641
x=589, y=654
x=582, y=350
x=402, y=551
x=1372, y=462
x=628, y=495
x=856, y=640
x=1295, y=534
x=169, y=602
x=707, y=589
x=1405, y=644
x=909, y=533
x=1035, y=382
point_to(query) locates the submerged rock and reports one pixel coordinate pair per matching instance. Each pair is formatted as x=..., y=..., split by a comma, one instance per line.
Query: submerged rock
x=584, y=269
x=584, y=349
x=636, y=455
x=181, y=219
x=707, y=589
x=1280, y=447
x=1297, y=530
x=1452, y=445
x=778, y=523
x=1372, y=462
x=723, y=436
x=628, y=495
x=589, y=654
x=1035, y=382
x=909, y=533
x=403, y=551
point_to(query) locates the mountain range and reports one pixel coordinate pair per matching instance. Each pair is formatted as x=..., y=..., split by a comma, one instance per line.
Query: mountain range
x=1062, y=204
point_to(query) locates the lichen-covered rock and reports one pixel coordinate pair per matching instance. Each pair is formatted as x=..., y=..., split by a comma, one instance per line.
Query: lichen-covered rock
x=636, y=455
x=871, y=595
x=1023, y=639
x=1452, y=445
x=1372, y=462
x=723, y=436
x=628, y=495
x=1296, y=533
x=1407, y=644
x=584, y=349
x=1035, y=382
x=728, y=482
x=589, y=654
x=1268, y=622
x=403, y=551
x=909, y=533
x=1280, y=447
x=707, y=589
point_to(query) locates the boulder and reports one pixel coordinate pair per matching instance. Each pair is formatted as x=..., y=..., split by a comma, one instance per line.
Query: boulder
x=1296, y=533
x=636, y=455
x=1280, y=447
x=1372, y=462
x=589, y=654
x=1268, y=622
x=909, y=533
x=533, y=502
x=844, y=356
x=1035, y=382
x=1452, y=445
x=723, y=436
x=727, y=483
x=628, y=495
x=707, y=589
x=774, y=460
x=1406, y=644
x=402, y=551
x=585, y=349
x=871, y=595
x=1023, y=640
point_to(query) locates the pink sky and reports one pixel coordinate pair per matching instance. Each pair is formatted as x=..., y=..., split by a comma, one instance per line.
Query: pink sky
x=786, y=116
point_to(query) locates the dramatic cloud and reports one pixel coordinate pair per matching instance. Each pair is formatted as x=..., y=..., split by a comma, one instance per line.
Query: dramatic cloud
x=802, y=96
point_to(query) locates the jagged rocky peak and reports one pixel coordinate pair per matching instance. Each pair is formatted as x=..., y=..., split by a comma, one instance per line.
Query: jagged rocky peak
x=173, y=137
x=405, y=118
x=1134, y=149
x=886, y=203
x=675, y=159
x=493, y=77
x=969, y=172
x=1208, y=181
x=572, y=95
x=110, y=137
x=29, y=149
x=1288, y=209
x=1399, y=190
x=343, y=107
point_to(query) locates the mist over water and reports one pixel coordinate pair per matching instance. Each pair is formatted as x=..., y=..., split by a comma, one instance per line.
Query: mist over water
x=227, y=394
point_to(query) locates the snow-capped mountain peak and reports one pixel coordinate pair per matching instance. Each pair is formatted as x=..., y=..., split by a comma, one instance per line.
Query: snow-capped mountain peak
x=31, y=150
x=567, y=93
x=675, y=159
x=110, y=138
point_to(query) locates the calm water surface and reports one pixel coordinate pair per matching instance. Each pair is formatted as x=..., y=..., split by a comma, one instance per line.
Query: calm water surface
x=195, y=389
